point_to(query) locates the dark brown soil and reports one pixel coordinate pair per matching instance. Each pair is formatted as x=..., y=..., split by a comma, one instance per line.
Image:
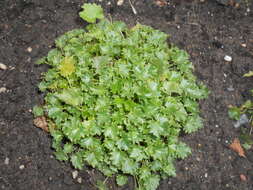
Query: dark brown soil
x=206, y=30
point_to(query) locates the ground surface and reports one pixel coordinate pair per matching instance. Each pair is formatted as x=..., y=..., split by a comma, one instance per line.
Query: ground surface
x=206, y=30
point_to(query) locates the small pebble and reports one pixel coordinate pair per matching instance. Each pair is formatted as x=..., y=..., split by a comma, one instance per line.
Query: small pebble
x=242, y=120
x=244, y=45
x=206, y=174
x=21, y=167
x=237, y=5
x=12, y=68
x=6, y=161
x=74, y=174
x=3, y=89
x=217, y=126
x=230, y=89
x=228, y=58
x=79, y=180
x=248, y=10
x=120, y=2
x=186, y=168
x=29, y=49
x=3, y=66
x=243, y=177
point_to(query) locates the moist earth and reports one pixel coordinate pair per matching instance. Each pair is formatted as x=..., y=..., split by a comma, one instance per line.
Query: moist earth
x=208, y=30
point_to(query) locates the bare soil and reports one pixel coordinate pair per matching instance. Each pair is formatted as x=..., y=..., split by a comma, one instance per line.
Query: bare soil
x=205, y=29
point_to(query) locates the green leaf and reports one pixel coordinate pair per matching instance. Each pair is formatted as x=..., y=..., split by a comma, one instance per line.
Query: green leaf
x=57, y=135
x=116, y=157
x=172, y=87
x=249, y=74
x=234, y=113
x=54, y=57
x=182, y=150
x=169, y=169
x=38, y=111
x=91, y=158
x=123, y=144
x=73, y=129
x=42, y=86
x=180, y=114
x=77, y=160
x=156, y=129
x=247, y=105
x=121, y=180
x=193, y=124
x=71, y=96
x=137, y=154
x=110, y=132
x=60, y=155
x=129, y=166
x=91, y=12
x=101, y=185
x=68, y=148
x=247, y=146
x=246, y=138
x=151, y=182
x=41, y=61
x=156, y=165
x=87, y=142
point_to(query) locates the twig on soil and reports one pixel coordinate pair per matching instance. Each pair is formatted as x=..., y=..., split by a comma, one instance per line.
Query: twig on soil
x=250, y=121
x=133, y=9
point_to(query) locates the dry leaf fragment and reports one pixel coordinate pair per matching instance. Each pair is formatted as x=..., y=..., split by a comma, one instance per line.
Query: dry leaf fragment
x=236, y=146
x=41, y=122
x=160, y=3
x=243, y=177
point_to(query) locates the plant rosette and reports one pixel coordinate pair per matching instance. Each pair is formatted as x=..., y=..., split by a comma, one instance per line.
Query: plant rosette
x=117, y=99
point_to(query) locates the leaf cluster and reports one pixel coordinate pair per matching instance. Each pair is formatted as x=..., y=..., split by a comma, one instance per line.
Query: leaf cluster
x=236, y=112
x=117, y=99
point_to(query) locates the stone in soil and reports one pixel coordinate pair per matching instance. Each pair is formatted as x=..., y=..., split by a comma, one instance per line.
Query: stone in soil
x=3, y=89
x=79, y=180
x=6, y=161
x=3, y=66
x=228, y=58
x=74, y=174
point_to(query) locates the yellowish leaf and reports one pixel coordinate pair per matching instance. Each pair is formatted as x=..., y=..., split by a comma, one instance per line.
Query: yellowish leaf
x=249, y=74
x=67, y=66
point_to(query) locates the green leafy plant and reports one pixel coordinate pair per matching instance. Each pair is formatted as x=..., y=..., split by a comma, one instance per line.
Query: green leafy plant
x=246, y=109
x=117, y=99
